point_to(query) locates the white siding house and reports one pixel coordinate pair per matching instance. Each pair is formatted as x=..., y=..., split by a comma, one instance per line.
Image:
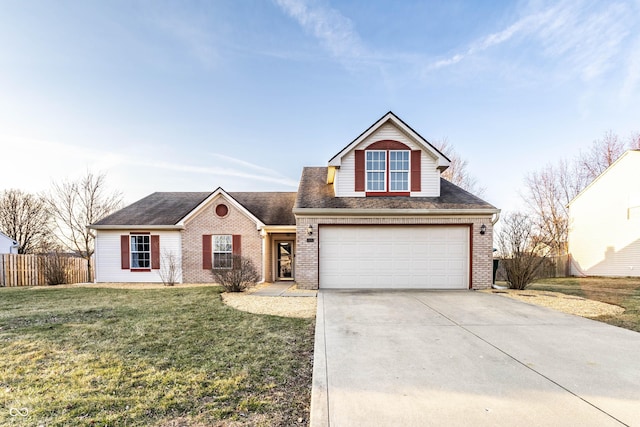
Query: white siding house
x=109, y=263
x=8, y=245
x=604, y=222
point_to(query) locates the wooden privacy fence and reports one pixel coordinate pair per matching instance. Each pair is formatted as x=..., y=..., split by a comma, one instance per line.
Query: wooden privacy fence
x=37, y=270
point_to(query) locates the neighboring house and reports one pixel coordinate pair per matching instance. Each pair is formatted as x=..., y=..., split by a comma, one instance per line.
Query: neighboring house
x=377, y=216
x=604, y=222
x=8, y=245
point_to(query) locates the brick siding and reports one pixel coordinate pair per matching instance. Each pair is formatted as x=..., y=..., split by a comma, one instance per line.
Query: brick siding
x=307, y=251
x=207, y=222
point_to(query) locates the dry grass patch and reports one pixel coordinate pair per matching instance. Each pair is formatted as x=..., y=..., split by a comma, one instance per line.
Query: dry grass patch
x=620, y=291
x=302, y=307
x=174, y=356
x=565, y=303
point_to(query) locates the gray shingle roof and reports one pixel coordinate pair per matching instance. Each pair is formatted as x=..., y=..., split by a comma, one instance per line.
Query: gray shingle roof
x=315, y=193
x=163, y=208
x=156, y=209
x=272, y=208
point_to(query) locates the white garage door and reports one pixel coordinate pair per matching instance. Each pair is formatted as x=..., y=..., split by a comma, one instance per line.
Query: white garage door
x=419, y=257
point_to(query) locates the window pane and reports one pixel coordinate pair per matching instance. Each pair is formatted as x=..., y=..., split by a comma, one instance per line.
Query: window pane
x=376, y=170
x=222, y=260
x=399, y=181
x=222, y=251
x=399, y=170
x=375, y=181
x=140, y=251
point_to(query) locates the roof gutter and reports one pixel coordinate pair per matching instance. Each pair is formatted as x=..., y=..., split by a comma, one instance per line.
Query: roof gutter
x=392, y=212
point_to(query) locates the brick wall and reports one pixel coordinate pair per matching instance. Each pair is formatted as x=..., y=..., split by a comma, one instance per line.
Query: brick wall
x=307, y=250
x=207, y=222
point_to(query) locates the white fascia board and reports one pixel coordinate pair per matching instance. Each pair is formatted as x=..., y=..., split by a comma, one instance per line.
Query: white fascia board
x=135, y=227
x=220, y=192
x=393, y=212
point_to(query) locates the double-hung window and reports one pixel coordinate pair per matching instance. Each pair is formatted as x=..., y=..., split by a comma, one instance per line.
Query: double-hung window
x=140, y=251
x=376, y=170
x=223, y=251
x=398, y=171
x=387, y=170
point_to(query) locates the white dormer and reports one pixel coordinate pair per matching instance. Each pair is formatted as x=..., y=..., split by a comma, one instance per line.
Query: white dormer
x=388, y=159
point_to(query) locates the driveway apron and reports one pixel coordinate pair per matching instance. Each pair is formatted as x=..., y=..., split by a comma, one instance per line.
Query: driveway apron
x=449, y=358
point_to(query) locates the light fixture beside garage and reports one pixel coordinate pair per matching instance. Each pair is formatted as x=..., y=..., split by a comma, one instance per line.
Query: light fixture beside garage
x=309, y=230
x=483, y=229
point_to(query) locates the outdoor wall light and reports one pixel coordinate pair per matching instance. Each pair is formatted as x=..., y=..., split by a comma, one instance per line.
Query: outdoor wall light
x=483, y=229
x=309, y=230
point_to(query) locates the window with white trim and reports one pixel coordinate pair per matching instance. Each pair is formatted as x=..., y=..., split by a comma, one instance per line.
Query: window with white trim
x=396, y=162
x=398, y=171
x=376, y=164
x=140, y=248
x=223, y=251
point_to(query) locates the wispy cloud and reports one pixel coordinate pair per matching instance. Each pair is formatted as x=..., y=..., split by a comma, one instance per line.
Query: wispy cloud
x=632, y=78
x=582, y=40
x=335, y=32
x=219, y=171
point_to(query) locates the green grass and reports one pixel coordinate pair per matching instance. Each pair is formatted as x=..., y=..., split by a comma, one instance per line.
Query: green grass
x=623, y=291
x=163, y=357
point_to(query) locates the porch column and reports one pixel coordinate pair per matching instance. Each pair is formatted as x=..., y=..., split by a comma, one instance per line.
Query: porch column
x=265, y=262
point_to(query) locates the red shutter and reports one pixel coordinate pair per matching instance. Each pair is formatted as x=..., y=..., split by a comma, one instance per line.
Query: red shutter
x=359, y=170
x=207, y=253
x=237, y=249
x=237, y=244
x=155, y=252
x=415, y=170
x=124, y=252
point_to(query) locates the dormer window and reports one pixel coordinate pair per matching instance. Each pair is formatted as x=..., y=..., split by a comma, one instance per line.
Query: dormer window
x=376, y=170
x=387, y=168
x=387, y=171
x=399, y=170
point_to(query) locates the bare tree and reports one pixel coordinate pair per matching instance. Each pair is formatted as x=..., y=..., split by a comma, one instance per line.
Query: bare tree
x=523, y=251
x=549, y=192
x=602, y=153
x=75, y=205
x=457, y=172
x=634, y=141
x=25, y=218
x=550, y=189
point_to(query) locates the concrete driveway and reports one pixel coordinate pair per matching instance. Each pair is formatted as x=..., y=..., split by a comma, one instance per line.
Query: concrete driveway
x=448, y=358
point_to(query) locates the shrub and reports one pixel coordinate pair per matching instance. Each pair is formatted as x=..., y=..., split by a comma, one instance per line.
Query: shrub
x=242, y=275
x=523, y=251
x=170, y=268
x=55, y=269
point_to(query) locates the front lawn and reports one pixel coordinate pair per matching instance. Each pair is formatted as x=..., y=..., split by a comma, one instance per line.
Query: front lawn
x=152, y=357
x=624, y=291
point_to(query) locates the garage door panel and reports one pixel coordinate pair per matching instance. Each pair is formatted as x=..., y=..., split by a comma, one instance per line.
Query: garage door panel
x=434, y=257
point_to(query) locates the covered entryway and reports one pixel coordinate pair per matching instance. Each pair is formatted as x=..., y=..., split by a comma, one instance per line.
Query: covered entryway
x=390, y=256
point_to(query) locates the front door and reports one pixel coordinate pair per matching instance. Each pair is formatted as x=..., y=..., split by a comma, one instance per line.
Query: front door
x=285, y=260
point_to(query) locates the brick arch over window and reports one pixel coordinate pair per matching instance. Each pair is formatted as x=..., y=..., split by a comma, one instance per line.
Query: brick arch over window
x=388, y=144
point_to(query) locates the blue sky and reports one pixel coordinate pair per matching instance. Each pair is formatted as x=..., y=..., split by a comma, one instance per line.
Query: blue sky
x=192, y=95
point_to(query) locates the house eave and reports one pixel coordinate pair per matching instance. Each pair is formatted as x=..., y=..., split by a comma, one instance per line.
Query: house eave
x=341, y=212
x=136, y=227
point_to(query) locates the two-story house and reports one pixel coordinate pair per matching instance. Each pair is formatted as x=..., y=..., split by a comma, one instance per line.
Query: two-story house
x=377, y=216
